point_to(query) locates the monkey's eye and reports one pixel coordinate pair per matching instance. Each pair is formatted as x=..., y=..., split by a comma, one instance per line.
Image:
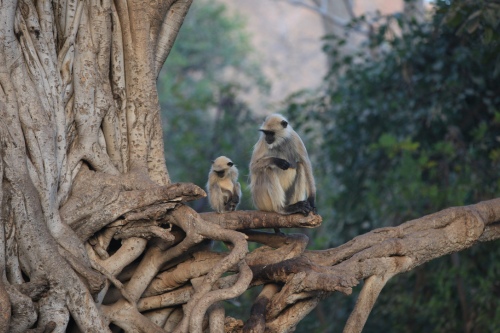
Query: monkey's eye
x=284, y=123
x=267, y=132
x=230, y=164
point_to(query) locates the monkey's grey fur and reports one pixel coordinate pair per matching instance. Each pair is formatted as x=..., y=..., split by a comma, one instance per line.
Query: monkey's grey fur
x=224, y=191
x=281, y=178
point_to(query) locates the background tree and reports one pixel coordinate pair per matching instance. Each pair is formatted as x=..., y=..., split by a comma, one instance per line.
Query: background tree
x=96, y=238
x=408, y=132
x=359, y=16
x=200, y=91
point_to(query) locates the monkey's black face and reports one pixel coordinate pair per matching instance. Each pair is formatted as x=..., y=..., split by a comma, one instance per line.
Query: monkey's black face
x=220, y=174
x=269, y=136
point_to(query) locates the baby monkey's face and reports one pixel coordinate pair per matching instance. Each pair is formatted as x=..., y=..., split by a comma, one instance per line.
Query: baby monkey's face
x=221, y=165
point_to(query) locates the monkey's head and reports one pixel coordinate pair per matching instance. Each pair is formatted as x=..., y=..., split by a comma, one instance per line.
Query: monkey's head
x=221, y=165
x=275, y=129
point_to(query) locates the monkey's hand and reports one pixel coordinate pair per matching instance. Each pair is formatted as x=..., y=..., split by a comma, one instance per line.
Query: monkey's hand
x=231, y=204
x=235, y=199
x=229, y=207
x=281, y=163
x=312, y=204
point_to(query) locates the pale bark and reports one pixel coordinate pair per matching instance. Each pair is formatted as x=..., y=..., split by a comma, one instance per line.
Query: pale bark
x=94, y=232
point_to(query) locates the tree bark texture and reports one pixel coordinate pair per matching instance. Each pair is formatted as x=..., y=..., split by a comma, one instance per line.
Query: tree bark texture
x=96, y=238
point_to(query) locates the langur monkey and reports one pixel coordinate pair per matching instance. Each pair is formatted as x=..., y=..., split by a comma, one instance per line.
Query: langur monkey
x=281, y=178
x=224, y=191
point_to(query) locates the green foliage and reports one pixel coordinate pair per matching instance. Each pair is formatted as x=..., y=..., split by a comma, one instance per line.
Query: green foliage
x=200, y=90
x=406, y=127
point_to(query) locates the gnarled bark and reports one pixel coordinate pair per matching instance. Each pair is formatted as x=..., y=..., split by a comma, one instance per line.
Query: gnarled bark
x=94, y=232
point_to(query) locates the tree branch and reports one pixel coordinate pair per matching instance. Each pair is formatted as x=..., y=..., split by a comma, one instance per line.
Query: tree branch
x=239, y=220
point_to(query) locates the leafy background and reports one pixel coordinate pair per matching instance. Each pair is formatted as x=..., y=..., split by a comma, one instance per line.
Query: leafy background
x=407, y=126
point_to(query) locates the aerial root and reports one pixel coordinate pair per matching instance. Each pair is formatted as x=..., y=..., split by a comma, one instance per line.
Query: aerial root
x=48, y=328
x=94, y=280
x=193, y=225
x=113, y=280
x=23, y=314
x=291, y=316
x=257, y=321
x=216, y=316
x=212, y=297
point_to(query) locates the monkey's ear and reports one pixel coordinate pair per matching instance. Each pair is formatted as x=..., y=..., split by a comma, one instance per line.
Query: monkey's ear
x=212, y=161
x=230, y=164
x=284, y=123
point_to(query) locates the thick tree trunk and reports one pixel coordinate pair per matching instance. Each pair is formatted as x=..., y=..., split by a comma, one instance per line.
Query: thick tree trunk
x=93, y=233
x=78, y=92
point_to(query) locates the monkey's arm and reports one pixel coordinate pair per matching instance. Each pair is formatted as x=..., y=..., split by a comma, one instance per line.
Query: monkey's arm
x=236, y=193
x=216, y=198
x=231, y=200
x=310, y=184
x=270, y=161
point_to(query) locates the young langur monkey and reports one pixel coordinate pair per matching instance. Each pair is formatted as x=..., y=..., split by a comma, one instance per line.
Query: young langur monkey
x=281, y=178
x=224, y=191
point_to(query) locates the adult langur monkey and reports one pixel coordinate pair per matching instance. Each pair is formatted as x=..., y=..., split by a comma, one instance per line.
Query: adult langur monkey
x=224, y=191
x=281, y=178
